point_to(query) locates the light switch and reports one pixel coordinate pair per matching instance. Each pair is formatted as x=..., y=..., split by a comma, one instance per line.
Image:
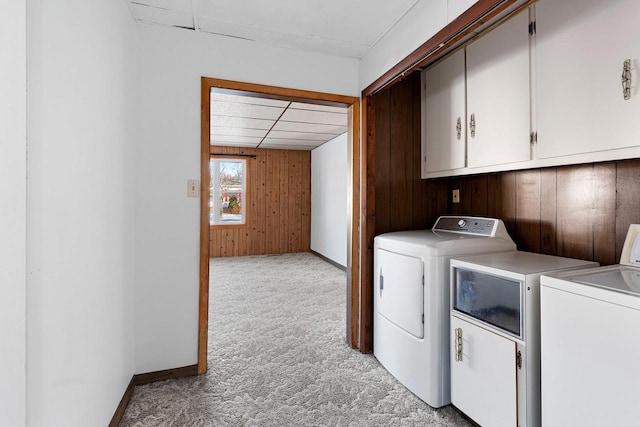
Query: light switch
x=193, y=188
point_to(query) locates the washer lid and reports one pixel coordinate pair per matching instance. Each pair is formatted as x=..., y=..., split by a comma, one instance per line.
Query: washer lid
x=624, y=279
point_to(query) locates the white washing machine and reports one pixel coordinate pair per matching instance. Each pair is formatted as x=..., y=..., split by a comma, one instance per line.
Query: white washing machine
x=411, y=303
x=590, y=343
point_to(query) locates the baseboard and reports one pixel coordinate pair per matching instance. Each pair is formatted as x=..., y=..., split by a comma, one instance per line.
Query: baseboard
x=117, y=416
x=167, y=374
x=151, y=377
x=330, y=261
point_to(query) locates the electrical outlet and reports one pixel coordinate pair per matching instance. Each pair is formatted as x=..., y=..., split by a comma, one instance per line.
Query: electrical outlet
x=456, y=196
x=193, y=188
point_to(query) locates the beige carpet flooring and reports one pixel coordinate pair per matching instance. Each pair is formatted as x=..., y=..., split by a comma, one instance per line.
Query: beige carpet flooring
x=278, y=357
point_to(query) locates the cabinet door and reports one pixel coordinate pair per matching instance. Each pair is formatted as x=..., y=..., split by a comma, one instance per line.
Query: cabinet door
x=498, y=95
x=483, y=383
x=456, y=7
x=443, y=141
x=580, y=50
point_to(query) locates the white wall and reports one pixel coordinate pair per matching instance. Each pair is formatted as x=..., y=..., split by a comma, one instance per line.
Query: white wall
x=425, y=19
x=80, y=208
x=171, y=63
x=329, y=180
x=13, y=173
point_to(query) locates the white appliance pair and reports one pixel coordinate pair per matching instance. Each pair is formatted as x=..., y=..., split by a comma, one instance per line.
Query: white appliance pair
x=411, y=302
x=590, y=326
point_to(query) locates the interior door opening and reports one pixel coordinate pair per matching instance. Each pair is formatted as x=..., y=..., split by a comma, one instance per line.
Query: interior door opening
x=268, y=105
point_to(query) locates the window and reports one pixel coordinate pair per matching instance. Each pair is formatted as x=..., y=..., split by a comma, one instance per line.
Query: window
x=228, y=198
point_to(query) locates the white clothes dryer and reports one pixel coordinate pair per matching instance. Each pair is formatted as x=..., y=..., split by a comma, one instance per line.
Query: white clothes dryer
x=411, y=302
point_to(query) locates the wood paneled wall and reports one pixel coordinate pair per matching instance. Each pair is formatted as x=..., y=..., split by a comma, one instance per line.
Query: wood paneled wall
x=279, y=208
x=403, y=201
x=579, y=211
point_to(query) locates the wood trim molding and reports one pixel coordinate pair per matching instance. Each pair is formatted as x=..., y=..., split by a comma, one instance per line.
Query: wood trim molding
x=275, y=92
x=151, y=377
x=167, y=374
x=122, y=406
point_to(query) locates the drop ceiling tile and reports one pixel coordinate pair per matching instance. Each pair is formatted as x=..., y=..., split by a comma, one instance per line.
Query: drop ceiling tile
x=242, y=122
x=157, y=15
x=307, y=116
x=309, y=127
x=287, y=147
x=218, y=131
x=234, y=139
x=234, y=144
x=318, y=107
x=245, y=99
x=301, y=136
x=298, y=142
x=245, y=110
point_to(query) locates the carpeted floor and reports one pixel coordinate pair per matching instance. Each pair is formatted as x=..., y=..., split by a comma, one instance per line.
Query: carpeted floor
x=278, y=357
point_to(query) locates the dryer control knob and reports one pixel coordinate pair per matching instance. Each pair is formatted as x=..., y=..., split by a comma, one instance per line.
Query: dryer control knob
x=462, y=223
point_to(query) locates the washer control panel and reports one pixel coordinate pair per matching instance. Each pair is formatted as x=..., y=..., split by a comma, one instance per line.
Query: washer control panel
x=467, y=225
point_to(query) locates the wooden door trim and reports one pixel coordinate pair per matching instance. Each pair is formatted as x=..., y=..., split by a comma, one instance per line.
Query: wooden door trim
x=354, y=149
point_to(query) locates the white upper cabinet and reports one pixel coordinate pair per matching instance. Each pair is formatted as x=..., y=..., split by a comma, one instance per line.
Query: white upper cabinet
x=498, y=95
x=456, y=7
x=443, y=115
x=581, y=46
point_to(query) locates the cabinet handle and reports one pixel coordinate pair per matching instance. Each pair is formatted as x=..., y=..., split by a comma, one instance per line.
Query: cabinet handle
x=472, y=125
x=626, y=79
x=459, y=128
x=458, y=344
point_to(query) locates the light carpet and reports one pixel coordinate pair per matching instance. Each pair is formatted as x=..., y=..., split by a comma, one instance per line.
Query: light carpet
x=278, y=357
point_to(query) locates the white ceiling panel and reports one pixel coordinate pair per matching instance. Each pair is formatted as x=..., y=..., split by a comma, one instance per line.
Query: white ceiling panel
x=337, y=27
x=297, y=142
x=318, y=107
x=157, y=15
x=235, y=139
x=322, y=117
x=234, y=144
x=301, y=136
x=176, y=5
x=288, y=147
x=241, y=99
x=243, y=122
x=245, y=110
x=284, y=40
x=217, y=131
x=310, y=127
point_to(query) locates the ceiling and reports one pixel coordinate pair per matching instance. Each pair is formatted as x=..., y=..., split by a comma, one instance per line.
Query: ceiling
x=258, y=122
x=336, y=27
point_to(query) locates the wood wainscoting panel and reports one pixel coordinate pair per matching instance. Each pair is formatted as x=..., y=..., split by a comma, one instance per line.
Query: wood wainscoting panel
x=548, y=211
x=627, y=200
x=527, y=224
x=279, y=218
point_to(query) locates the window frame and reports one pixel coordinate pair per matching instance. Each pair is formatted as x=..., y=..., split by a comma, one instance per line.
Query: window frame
x=246, y=195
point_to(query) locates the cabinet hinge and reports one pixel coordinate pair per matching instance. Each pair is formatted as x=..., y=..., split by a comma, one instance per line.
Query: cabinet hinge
x=518, y=359
x=532, y=28
x=533, y=138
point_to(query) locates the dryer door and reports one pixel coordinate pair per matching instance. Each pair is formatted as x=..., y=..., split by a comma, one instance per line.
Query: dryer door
x=400, y=291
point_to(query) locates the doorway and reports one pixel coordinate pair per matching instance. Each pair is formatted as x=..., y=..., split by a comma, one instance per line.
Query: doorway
x=209, y=85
